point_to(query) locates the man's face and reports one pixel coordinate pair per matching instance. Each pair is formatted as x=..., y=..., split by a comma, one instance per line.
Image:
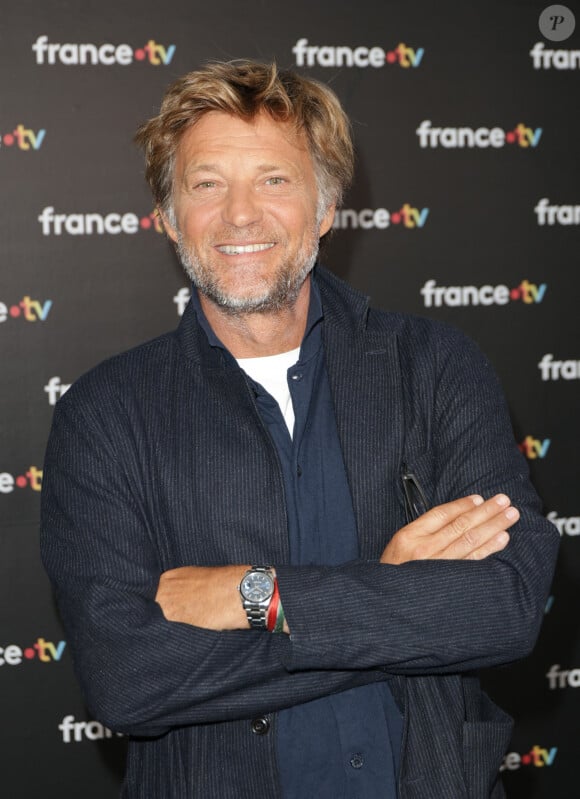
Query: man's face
x=245, y=204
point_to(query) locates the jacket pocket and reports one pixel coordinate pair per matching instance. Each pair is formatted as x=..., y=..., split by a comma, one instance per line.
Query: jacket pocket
x=485, y=742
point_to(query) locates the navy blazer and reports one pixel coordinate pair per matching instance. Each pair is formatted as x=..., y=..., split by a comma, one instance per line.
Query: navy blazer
x=158, y=458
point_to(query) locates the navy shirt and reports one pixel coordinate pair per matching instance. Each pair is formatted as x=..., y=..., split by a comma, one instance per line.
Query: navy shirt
x=344, y=746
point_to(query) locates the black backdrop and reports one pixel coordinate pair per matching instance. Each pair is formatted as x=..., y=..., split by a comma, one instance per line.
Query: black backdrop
x=466, y=208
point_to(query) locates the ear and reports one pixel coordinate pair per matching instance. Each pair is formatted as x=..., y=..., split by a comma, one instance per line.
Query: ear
x=327, y=221
x=168, y=227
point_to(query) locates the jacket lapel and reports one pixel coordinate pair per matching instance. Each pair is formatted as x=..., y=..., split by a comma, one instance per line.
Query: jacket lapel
x=365, y=381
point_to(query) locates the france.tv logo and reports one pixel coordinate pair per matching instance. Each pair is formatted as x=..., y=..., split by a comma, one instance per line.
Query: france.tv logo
x=435, y=296
x=537, y=757
x=42, y=650
x=73, y=54
x=76, y=731
x=28, y=309
x=534, y=448
x=311, y=55
x=32, y=478
x=483, y=137
x=368, y=218
x=83, y=224
x=23, y=138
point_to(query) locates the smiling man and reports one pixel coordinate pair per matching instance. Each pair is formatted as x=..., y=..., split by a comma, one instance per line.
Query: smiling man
x=247, y=221
x=279, y=535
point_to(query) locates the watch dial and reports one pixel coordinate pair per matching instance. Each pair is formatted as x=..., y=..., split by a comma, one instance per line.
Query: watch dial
x=257, y=586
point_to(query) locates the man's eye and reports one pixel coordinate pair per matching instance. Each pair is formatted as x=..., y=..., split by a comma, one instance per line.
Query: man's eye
x=205, y=184
x=276, y=181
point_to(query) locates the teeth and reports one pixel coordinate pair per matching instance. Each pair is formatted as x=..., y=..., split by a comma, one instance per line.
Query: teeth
x=233, y=249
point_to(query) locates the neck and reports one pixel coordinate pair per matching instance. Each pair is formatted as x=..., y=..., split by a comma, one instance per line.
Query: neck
x=253, y=335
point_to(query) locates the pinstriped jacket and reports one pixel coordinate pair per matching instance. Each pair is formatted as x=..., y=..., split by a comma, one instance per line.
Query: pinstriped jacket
x=158, y=458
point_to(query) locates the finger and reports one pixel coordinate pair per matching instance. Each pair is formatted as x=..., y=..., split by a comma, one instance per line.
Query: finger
x=482, y=537
x=460, y=525
x=495, y=544
x=441, y=516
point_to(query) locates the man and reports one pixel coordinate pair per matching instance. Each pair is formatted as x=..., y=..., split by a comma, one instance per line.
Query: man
x=235, y=515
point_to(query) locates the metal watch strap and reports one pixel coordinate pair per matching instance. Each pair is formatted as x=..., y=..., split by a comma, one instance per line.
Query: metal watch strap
x=256, y=617
x=257, y=613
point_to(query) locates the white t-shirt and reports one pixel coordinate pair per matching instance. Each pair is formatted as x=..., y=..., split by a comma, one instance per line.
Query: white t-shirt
x=271, y=371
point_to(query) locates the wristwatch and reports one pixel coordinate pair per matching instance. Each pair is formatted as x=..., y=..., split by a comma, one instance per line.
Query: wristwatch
x=256, y=590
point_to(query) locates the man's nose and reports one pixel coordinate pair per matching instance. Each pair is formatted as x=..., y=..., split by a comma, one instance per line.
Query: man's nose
x=241, y=206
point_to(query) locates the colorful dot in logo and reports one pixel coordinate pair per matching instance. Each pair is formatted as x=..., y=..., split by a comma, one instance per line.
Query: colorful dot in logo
x=15, y=311
x=140, y=54
x=510, y=137
x=526, y=759
x=8, y=139
x=515, y=294
x=152, y=220
x=21, y=481
x=391, y=57
x=147, y=222
x=29, y=653
x=396, y=218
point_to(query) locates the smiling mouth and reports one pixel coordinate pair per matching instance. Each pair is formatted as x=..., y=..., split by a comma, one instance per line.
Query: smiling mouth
x=240, y=249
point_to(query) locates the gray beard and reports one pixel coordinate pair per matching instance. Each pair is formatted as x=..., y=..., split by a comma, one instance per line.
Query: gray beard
x=280, y=295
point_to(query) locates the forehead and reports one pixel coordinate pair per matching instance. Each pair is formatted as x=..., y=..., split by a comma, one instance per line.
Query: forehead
x=218, y=134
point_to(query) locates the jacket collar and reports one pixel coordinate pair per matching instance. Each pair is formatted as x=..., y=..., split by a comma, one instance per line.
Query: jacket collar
x=344, y=308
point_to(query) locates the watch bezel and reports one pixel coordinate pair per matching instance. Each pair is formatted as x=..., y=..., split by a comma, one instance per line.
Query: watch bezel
x=265, y=595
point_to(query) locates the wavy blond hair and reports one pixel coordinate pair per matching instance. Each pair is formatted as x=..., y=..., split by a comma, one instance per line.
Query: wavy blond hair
x=245, y=89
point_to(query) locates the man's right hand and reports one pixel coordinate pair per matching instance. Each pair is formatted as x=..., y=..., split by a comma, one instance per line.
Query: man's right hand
x=465, y=529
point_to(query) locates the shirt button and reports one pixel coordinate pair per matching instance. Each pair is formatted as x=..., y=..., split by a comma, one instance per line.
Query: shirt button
x=260, y=726
x=299, y=471
x=357, y=761
x=297, y=376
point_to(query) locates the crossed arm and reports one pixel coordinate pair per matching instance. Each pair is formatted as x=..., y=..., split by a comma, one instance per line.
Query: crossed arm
x=465, y=529
x=447, y=594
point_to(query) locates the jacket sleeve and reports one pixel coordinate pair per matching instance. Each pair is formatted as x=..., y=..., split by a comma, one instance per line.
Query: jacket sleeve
x=437, y=616
x=140, y=673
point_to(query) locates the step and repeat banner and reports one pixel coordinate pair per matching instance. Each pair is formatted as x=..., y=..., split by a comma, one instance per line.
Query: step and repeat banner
x=465, y=208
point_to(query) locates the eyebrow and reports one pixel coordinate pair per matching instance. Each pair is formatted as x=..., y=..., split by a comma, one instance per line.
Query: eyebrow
x=271, y=167
x=200, y=168
x=193, y=168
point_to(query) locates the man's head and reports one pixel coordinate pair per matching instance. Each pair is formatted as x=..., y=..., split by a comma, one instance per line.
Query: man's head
x=247, y=165
x=244, y=89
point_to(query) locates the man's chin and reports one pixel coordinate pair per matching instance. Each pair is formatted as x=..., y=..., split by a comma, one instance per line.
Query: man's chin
x=246, y=304
x=252, y=293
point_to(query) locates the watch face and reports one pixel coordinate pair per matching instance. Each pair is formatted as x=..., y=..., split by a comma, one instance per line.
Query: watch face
x=257, y=586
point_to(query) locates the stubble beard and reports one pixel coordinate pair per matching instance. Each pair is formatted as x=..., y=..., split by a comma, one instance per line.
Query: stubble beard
x=281, y=293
